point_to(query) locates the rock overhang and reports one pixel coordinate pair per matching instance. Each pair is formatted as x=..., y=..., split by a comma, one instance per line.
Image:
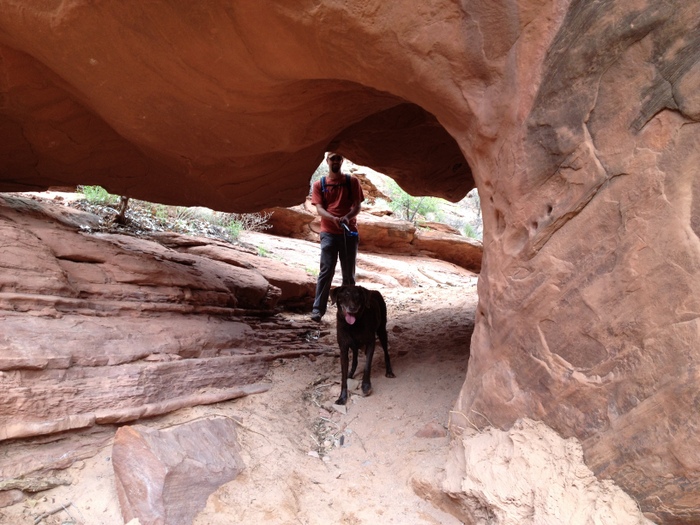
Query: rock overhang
x=224, y=106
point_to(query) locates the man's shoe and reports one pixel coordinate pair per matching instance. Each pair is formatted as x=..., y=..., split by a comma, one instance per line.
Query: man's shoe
x=316, y=316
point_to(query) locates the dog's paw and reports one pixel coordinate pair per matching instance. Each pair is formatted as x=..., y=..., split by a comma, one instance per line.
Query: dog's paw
x=341, y=400
x=366, y=389
x=390, y=374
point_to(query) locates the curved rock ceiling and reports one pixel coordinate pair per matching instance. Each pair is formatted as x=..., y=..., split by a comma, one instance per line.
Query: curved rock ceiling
x=578, y=121
x=229, y=105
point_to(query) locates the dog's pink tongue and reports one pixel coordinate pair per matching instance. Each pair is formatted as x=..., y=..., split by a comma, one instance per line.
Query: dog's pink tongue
x=350, y=319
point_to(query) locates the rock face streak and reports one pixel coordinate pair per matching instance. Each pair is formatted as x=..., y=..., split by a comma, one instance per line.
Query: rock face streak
x=578, y=122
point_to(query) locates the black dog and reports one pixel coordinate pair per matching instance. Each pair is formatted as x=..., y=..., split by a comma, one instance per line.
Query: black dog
x=361, y=318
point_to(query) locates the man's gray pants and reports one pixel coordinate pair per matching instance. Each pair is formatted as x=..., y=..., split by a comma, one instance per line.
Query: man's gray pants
x=334, y=247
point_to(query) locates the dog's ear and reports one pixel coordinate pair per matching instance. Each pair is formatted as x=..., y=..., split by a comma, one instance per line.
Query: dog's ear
x=334, y=294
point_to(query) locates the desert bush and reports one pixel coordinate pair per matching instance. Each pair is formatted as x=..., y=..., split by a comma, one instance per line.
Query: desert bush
x=411, y=208
x=321, y=171
x=98, y=195
x=236, y=223
x=179, y=218
x=470, y=232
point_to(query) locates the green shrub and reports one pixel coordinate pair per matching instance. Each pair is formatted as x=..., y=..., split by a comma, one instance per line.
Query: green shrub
x=470, y=232
x=98, y=195
x=181, y=218
x=161, y=213
x=408, y=207
x=321, y=171
x=234, y=229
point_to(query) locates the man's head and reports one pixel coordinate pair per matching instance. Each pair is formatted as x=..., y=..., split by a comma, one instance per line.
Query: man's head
x=334, y=162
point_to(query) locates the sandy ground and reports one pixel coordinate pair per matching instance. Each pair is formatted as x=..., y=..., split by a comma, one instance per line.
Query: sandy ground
x=309, y=464
x=306, y=462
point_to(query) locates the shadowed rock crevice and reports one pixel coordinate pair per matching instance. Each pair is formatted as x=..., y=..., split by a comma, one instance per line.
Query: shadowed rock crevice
x=384, y=140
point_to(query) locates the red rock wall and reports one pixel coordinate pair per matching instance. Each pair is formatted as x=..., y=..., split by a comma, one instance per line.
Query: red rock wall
x=588, y=293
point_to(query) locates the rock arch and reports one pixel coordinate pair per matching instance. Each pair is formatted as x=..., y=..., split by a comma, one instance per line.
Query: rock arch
x=578, y=122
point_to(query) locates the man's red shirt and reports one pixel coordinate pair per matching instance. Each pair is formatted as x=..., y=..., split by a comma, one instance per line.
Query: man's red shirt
x=338, y=201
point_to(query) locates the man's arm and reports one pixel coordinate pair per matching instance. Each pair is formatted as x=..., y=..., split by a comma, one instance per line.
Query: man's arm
x=356, y=207
x=326, y=214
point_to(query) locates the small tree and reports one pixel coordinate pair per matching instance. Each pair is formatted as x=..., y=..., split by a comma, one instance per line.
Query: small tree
x=408, y=207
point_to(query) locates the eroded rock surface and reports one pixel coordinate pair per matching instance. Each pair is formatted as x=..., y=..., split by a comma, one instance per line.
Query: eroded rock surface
x=589, y=304
x=231, y=104
x=164, y=477
x=104, y=328
x=548, y=481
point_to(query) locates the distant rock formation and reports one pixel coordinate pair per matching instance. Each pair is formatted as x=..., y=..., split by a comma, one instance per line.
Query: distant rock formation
x=382, y=234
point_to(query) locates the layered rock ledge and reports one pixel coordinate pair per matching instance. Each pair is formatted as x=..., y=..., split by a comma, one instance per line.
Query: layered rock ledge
x=101, y=328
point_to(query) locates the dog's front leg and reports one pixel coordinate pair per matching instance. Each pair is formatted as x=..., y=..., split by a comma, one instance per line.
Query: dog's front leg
x=355, y=351
x=366, y=383
x=343, y=375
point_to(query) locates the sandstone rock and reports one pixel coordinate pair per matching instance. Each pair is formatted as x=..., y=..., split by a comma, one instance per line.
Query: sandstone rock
x=578, y=120
x=296, y=287
x=456, y=249
x=531, y=476
x=591, y=260
x=88, y=122
x=117, y=394
x=369, y=189
x=292, y=222
x=65, y=262
x=32, y=465
x=165, y=476
x=438, y=227
x=45, y=457
x=386, y=235
x=136, y=327
x=10, y=497
x=382, y=234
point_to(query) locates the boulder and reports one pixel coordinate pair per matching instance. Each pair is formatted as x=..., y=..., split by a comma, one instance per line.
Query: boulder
x=164, y=477
x=292, y=222
x=462, y=251
x=548, y=481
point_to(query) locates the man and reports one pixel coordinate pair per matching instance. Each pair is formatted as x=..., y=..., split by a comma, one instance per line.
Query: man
x=338, y=199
